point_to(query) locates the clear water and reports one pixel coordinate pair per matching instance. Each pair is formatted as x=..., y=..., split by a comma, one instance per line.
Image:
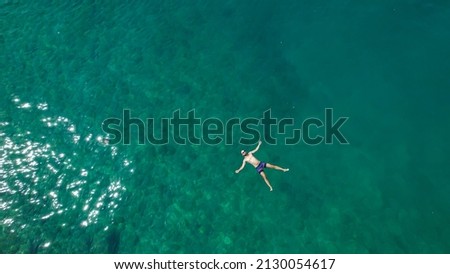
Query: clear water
x=66, y=67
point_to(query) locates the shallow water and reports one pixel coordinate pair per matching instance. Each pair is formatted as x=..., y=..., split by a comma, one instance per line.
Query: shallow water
x=67, y=67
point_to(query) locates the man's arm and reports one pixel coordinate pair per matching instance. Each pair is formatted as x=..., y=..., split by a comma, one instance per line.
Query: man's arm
x=242, y=166
x=256, y=149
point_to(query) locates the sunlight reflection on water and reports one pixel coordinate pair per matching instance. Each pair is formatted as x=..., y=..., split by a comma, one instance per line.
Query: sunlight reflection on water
x=47, y=178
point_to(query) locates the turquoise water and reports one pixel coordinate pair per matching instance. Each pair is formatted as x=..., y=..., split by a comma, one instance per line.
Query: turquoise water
x=67, y=67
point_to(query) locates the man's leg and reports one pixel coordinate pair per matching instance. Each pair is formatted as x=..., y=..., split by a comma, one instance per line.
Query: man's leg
x=266, y=180
x=276, y=167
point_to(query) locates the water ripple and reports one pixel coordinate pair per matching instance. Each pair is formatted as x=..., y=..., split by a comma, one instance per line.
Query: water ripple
x=50, y=170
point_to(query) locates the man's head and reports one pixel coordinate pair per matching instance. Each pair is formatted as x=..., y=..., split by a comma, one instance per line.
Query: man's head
x=243, y=153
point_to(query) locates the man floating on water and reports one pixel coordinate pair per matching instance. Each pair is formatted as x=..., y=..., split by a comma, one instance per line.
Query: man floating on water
x=259, y=165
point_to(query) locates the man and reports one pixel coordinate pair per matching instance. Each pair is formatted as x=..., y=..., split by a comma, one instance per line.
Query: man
x=249, y=158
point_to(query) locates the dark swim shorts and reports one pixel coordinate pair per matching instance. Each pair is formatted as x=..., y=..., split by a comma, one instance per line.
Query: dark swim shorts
x=260, y=167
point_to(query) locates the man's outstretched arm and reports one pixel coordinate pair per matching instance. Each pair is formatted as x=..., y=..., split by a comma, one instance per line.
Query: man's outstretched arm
x=257, y=147
x=242, y=166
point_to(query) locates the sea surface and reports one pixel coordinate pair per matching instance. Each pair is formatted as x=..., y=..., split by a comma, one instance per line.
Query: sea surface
x=66, y=66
